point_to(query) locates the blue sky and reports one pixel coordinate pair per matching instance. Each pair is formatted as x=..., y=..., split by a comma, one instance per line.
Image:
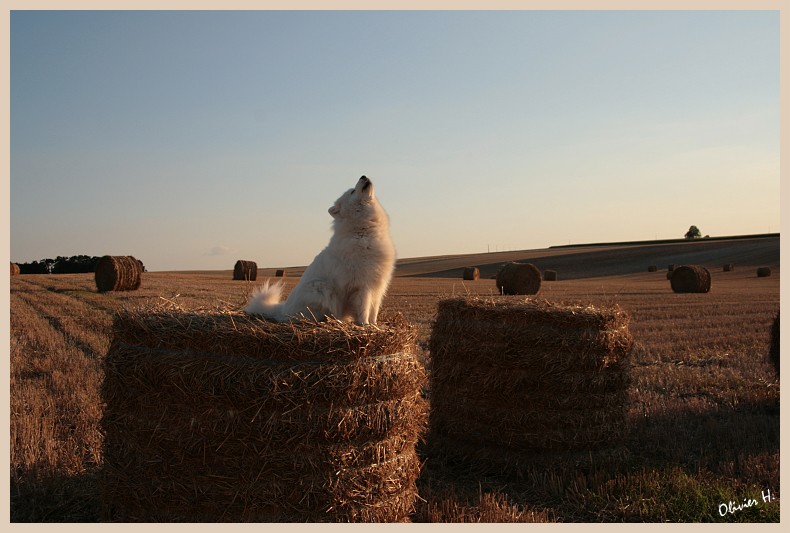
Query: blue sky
x=193, y=139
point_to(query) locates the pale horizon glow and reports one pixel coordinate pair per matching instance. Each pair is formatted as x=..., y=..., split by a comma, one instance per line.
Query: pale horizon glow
x=193, y=139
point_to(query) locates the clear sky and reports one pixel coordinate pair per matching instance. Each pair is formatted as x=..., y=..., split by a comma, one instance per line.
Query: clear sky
x=193, y=139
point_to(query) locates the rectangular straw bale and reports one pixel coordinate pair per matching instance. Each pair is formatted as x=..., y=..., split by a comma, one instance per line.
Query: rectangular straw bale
x=218, y=416
x=517, y=333
x=532, y=377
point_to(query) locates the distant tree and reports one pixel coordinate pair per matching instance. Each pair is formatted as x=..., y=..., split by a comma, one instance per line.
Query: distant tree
x=35, y=267
x=693, y=233
x=76, y=264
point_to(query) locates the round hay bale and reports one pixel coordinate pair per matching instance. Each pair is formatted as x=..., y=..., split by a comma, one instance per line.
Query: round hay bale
x=763, y=272
x=652, y=268
x=218, y=416
x=512, y=380
x=14, y=269
x=774, y=351
x=670, y=268
x=118, y=273
x=690, y=278
x=245, y=270
x=729, y=267
x=471, y=273
x=280, y=274
x=518, y=278
x=669, y=274
x=549, y=275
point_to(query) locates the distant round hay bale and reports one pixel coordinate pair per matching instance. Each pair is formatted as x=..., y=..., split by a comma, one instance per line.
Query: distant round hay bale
x=670, y=268
x=763, y=272
x=518, y=278
x=471, y=273
x=549, y=275
x=245, y=270
x=219, y=416
x=118, y=273
x=652, y=268
x=729, y=267
x=14, y=269
x=690, y=278
x=280, y=274
x=773, y=354
x=515, y=380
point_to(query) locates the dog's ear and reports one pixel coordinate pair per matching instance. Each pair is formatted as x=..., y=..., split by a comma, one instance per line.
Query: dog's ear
x=334, y=210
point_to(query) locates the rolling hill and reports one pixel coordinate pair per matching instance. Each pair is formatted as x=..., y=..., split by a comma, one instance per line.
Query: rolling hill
x=590, y=261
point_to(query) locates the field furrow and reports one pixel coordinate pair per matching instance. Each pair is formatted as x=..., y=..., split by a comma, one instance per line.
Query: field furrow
x=84, y=327
x=703, y=404
x=55, y=406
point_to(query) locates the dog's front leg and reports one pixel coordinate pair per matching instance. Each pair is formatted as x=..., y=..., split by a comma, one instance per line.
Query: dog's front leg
x=361, y=305
x=375, y=304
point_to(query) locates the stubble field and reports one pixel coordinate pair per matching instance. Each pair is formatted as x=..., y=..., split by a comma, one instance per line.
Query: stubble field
x=703, y=405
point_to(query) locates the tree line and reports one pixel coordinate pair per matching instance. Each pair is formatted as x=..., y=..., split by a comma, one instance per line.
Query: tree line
x=76, y=264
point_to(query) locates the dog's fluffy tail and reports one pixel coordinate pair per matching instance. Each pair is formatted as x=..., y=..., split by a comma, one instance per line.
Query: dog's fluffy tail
x=265, y=300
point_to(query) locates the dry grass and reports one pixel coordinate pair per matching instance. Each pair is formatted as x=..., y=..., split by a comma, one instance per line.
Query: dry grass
x=471, y=273
x=268, y=422
x=518, y=278
x=516, y=381
x=245, y=270
x=118, y=273
x=774, y=353
x=691, y=278
x=703, y=405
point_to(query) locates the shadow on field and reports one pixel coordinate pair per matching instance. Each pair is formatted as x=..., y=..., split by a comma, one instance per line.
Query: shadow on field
x=661, y=454
x=54, y=499
x=684, y=462
x=720, y=440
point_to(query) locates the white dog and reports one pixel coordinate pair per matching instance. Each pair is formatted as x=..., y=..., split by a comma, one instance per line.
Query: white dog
x=349, y=278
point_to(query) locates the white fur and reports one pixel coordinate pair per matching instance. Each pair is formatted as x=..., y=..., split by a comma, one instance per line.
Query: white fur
x=349, y=278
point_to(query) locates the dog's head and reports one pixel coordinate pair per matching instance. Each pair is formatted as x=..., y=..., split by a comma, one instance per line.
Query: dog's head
x=357, y=203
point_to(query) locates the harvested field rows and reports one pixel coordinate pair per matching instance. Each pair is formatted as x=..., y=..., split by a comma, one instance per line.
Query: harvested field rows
x=703, y=407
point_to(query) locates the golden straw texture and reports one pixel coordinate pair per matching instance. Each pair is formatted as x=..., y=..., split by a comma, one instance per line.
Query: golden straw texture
x=471, y=273
x=245, y=270
x=518, y=279
x=690, y=278
x=218, y=416
x=513, y=380
x=118, y=273
x=773, y=353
